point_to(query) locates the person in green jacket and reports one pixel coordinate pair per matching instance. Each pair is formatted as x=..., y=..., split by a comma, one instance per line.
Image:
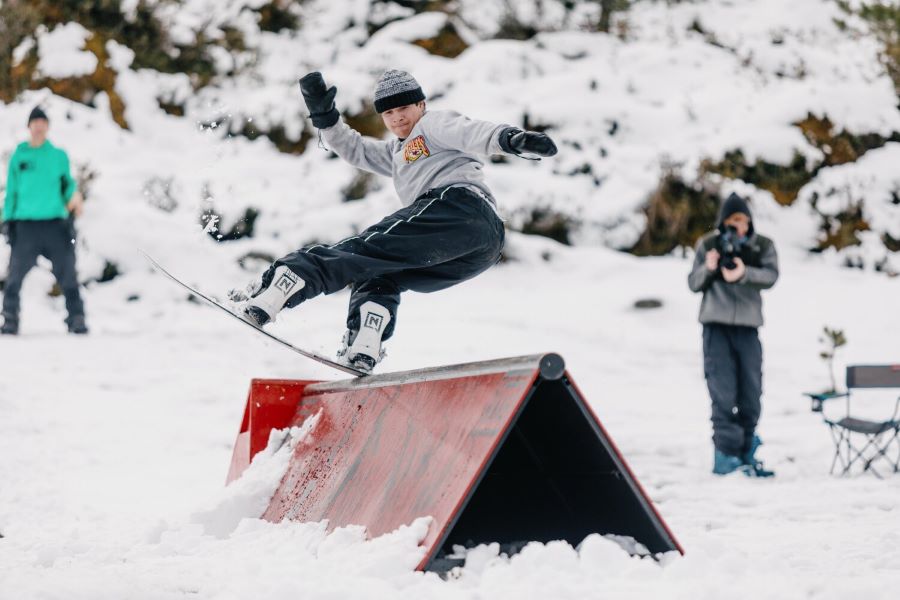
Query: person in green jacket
x=41, y=200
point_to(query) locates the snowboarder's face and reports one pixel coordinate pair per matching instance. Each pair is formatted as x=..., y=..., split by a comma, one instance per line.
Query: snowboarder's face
x=740, y=222
x=402, y=119
x=38, y=129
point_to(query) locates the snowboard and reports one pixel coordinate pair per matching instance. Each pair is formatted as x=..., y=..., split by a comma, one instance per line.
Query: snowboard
x=213, y=302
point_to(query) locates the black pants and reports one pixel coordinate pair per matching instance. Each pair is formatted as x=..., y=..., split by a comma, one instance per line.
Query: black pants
x=446, y=236
x=732, y=361
x=53, y=239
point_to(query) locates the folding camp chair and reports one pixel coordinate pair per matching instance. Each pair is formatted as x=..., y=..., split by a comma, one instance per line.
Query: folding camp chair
x=878, y=439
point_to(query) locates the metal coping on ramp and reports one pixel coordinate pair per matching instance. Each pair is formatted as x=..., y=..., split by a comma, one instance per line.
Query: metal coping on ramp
x=501, y=451
x=548, y=366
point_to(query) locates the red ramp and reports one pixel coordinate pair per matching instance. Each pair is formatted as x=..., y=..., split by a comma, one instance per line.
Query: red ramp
x=501, y=451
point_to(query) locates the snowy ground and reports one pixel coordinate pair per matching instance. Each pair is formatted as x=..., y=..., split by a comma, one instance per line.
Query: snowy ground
x=115, y=446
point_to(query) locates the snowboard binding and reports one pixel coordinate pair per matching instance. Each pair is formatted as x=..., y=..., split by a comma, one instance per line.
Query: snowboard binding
x=361, y=349
x=262, y=301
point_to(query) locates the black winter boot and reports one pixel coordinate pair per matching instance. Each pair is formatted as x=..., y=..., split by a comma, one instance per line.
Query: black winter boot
x=10, y=327
x=77, y=325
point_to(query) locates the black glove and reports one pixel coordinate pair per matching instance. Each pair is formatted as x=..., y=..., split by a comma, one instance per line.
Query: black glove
x=518, y=142
x=319, y=100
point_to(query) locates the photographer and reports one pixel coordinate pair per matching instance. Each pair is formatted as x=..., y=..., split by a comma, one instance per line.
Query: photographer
x=732, y=265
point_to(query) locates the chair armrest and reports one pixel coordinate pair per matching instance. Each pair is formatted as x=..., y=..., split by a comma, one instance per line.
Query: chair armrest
x=819, y=398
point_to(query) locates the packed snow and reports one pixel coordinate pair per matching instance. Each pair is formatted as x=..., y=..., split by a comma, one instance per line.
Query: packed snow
x=114, y=447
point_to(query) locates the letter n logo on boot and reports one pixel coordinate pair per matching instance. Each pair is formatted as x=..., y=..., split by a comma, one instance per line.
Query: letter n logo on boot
x=373, y=321
x=286, y=283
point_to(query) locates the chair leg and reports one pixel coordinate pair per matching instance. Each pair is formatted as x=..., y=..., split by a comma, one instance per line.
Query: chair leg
x=867, y=455
x=883, y=451
x=871, y=442
x=897, y=439
x=838, y=439
x=861, y=455
x=880, y=451
x=837, y=449
x=849, y=446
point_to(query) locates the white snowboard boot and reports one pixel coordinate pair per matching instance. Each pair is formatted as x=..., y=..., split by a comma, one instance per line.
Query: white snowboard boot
x=264, y=303
x=362, y=349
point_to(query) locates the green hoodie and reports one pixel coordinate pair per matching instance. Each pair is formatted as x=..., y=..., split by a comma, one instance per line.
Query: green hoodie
x=38, y=184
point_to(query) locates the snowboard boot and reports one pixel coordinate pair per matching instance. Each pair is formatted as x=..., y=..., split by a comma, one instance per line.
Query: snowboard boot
x=362, y=349
x=77, y=325
x=723, y=464
x=271, y=296
x=10, y=327
x=756, y=465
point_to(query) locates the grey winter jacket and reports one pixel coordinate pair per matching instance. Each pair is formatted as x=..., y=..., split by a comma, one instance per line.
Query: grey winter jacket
x=738, y=303
x=444, y=148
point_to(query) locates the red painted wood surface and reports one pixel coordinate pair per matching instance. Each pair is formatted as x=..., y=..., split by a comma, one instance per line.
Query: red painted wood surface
x=271, y=404
x=385, y=456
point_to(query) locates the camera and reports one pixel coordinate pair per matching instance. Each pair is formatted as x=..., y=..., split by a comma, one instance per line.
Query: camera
x=729, y=245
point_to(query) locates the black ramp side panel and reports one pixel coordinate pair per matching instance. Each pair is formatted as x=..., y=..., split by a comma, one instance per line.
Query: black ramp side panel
x=556, y=477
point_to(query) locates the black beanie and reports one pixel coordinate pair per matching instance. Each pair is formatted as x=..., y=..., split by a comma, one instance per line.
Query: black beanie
x=37, y=113
x=733, y=204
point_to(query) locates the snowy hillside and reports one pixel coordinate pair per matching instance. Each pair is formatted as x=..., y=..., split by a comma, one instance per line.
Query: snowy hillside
x=680, y=90
x=114, y=447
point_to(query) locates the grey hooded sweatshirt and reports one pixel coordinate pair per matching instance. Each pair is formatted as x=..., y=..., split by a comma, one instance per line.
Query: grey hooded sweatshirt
x=444, y=148
x=738, y=303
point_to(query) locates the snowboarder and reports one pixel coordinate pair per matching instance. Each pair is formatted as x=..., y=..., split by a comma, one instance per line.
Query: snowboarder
x=732, y=265
x=41, y=201
x=448, y=230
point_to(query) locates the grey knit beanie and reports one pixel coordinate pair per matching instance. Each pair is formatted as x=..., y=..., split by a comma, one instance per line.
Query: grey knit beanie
x=396, y=88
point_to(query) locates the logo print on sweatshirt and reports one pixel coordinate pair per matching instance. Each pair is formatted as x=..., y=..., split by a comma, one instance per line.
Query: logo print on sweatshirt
x=415, y=149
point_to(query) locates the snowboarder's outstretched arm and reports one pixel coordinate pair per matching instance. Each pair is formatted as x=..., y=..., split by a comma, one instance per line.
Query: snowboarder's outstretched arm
x=527, y=144
x=453, y=130
x=361, y=152
x=448, y=129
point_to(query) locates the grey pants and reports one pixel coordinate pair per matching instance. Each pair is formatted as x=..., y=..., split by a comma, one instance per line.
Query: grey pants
x=448, y=235
x=54, y=240
x=732, y=362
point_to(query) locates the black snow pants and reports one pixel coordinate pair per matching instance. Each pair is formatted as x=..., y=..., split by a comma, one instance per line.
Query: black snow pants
x=448, y=235
x=732, y=362
x=53, y=239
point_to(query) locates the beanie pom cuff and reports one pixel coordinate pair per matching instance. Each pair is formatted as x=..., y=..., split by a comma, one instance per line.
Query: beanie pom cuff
x=400, y=99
